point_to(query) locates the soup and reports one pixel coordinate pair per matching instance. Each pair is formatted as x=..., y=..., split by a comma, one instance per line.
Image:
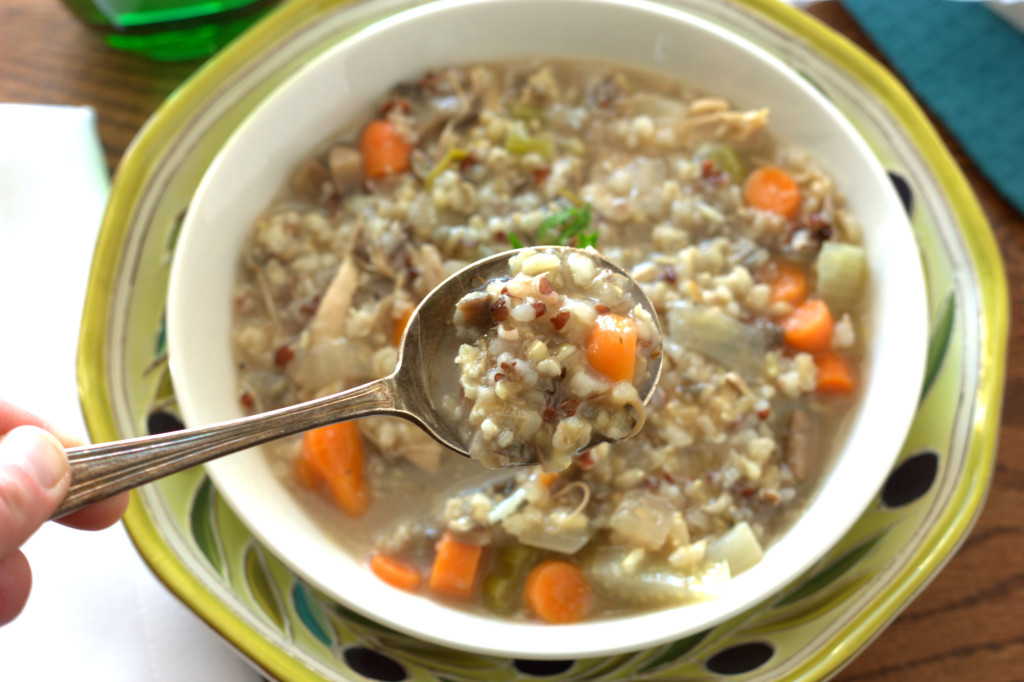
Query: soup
x=744, y=247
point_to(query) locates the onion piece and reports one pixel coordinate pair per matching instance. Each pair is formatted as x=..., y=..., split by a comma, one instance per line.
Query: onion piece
x=738, y=547
x=841, y=269
x=636, y=578
x=722, y=338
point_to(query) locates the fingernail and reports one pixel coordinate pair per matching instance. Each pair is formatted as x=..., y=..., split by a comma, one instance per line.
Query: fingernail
x=37, y=452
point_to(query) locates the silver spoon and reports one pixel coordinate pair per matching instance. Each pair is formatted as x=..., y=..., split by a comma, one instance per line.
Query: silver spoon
x=99, y=471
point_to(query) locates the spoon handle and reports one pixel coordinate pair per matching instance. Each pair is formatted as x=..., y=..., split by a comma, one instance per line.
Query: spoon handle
x=99, y=471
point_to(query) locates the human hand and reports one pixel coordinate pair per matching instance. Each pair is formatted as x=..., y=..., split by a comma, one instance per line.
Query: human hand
x=34, y=477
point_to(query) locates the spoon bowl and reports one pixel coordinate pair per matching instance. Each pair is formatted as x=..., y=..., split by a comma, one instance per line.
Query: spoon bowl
x=430, y=327
x=99, y=471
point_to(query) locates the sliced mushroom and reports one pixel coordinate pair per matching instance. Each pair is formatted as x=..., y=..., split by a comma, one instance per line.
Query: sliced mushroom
x=310, y=178
x=475, y=309
x=346, y=167
x=801, y=445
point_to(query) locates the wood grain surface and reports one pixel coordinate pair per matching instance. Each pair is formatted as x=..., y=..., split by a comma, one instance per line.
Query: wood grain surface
x=968, y=624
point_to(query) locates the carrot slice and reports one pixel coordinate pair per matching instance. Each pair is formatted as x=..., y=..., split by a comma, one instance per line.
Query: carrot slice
x=809, y=326
x=611, y=346
x=771, y=188
x=547, y=478
x=334, y=458
x=394, y=572
x=400, y=324
x=455, y=566
x=789, y=283
x=384, y=150
x=557, y=591
x=304, y=474
x=835, y=375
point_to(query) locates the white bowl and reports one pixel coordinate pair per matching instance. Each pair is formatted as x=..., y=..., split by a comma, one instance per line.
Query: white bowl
x=341, y=87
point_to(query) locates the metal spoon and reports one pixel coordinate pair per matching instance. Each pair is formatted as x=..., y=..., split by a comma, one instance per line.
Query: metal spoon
x=98, y=471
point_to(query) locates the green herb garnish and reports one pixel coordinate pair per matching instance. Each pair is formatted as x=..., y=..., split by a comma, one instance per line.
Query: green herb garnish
x=572, y=223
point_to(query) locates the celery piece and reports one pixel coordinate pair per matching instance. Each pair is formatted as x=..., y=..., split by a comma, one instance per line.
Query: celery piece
x=524, y=144
x=525, y=111
x=726, y=160
x=452, y=155
x=501, y=587
x=499, y=593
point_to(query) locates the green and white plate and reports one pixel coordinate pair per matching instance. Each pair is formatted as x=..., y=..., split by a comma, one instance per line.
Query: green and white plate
x=202, y=552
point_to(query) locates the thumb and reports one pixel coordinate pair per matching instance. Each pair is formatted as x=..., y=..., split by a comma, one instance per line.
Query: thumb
x=34, y=476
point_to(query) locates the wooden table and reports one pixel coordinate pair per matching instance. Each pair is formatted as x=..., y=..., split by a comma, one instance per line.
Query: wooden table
x=967, y=625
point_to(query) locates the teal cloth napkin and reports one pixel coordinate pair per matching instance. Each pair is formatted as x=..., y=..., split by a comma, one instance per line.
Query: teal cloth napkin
x=966, y=65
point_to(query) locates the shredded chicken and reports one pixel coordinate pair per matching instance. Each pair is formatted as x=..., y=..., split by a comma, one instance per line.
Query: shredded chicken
x=431, y=268
x=736, y=127
x=399, y=439
x=332, y=314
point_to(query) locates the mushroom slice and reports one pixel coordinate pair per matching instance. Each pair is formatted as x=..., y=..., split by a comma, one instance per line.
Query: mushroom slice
x=801, y=445
x=346, y=166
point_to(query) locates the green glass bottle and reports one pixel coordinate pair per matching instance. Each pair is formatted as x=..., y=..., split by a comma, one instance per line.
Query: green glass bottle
x=169, y=30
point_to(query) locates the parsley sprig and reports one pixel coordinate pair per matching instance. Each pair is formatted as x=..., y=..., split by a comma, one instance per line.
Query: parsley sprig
x=571, y=226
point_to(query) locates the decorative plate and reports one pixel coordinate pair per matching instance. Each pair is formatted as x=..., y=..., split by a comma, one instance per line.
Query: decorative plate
x=202, y=552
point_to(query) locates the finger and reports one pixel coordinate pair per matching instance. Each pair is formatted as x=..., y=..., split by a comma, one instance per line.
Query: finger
x=12, y=416
x=34, y=477
x=98, y=515
x=15, y=583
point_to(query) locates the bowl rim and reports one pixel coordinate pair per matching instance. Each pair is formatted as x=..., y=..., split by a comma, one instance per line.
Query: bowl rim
x=587, y=628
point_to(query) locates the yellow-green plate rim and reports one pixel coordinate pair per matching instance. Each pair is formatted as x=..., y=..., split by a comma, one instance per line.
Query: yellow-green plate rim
x=939, y=544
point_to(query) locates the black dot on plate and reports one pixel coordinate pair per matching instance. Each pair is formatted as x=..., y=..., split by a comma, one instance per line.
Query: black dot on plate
x=911, y=479
x=373, y=664
x=739, y=659
x=903, y=189
x=163, y=422
x=541, y=668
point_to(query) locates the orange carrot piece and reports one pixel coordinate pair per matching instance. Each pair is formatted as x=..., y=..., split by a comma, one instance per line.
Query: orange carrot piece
x=455, y=566
x=335, y=459
x=809, y=326
x=835, y=375
x=394, y=572
x=611, y=346
x=384, y=150
x=400, y=324
x=557, y=591
x=304, y=474
x=547, y=478
x=771, y=188
x=789, y=283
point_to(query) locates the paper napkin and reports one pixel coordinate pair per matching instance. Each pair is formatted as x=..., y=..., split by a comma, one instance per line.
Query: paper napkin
x=96, y=612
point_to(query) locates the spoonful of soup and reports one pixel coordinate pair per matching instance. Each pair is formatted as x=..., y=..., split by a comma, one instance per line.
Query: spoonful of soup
x=528, y=356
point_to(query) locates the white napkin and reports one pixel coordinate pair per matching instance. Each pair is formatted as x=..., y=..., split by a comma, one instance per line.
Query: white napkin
x=96, y=612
